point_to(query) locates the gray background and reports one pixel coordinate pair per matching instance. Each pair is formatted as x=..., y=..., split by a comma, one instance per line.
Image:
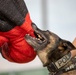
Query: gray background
x=58, y=16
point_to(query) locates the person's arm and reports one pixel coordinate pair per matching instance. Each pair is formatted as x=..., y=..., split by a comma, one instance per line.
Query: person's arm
x=73, y=52
x=74, y=42
x=16, y=12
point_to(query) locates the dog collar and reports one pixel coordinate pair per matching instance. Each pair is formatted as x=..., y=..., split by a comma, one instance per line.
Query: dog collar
x=61, y=66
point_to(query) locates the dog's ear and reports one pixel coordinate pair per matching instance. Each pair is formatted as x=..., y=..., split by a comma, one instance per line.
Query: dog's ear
x=67, y=45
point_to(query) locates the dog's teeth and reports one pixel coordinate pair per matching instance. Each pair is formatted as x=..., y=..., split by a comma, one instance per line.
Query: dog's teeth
x=38, y=39
x=39, y=36
x=27, y=34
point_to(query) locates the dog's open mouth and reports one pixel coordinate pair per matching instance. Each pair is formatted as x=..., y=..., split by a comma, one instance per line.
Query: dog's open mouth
x=38, y=42
x=39, y=37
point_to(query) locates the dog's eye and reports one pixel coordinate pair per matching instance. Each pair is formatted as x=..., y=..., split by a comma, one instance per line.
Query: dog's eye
x=60, y=48
x=65, y=46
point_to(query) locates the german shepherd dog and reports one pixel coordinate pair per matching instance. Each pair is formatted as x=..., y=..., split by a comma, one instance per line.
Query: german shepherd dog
x=50, y=48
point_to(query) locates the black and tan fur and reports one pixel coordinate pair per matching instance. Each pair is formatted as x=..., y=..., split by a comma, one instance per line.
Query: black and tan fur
x=50, y=47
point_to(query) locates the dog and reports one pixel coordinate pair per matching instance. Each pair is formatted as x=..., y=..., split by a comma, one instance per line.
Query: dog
x=50, y=48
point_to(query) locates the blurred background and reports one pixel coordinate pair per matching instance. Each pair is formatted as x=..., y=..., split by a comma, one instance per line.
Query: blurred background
x=58, y=16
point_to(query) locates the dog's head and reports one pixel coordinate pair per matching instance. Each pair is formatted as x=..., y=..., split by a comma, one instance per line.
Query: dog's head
x=48, y=45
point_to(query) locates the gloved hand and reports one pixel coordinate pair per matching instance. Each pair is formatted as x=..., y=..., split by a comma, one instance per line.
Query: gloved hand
x=17, y=49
